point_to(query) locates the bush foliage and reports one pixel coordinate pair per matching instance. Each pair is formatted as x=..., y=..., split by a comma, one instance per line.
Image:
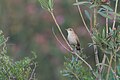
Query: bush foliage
x=14, y=70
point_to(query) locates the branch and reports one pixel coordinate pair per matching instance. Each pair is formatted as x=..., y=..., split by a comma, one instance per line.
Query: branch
x=107, y=24
x=59, y=41
x=116, y=76
x=75, y=75
x=86, y=64
x=60, y=29
x=32, y=74
x=80, y=12
x=114, y=20
x=103, y=62
x=110, y=64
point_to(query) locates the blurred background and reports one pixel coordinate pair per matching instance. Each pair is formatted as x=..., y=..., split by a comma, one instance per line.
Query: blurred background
x=29, y=28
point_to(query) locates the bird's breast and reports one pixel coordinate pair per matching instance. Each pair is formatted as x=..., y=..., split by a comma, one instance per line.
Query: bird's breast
x=72, y=39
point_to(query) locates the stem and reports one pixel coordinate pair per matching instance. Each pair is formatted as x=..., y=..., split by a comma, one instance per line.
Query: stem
x=95, y=46
x=115, y=59
x=91, y=24
x=95, y=17
x=114, y=20
x=107, y=24
x=103, y=62
x=32, y=74
x=96, y=53
x=86, y=63
x=75, y=75
x=104, y=57
x=115, y=63
x=60, y=29
x=80, y=12
x=60, y=41
x=116, y=76
x=110, y=63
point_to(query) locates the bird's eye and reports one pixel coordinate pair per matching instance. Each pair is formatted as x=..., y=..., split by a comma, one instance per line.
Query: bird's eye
x=70, y=29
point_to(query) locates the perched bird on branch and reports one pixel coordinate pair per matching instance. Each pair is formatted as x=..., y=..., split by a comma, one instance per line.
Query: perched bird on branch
x=73, y=39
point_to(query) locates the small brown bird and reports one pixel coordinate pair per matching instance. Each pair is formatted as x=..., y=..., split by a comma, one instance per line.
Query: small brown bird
x=73, y=39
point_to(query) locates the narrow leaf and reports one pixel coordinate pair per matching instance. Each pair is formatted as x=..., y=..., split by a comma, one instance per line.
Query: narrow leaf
x=113, y=13
x=44, y=4
x=94, y=5
x=51, y=4
x=105, y=15
x=87, y=14
x=82, y=2
x=103, y=33
x=107, y=7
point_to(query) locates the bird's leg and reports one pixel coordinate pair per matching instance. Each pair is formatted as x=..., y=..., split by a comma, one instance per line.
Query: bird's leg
x=75, y=51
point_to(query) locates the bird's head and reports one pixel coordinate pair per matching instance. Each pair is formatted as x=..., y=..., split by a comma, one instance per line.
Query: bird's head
x=69, y=30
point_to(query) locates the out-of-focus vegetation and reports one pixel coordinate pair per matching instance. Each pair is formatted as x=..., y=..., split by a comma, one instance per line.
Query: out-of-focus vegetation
x=29, y=29
x=15, y=70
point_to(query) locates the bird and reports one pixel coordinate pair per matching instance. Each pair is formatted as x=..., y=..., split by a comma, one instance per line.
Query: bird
x=73, y=39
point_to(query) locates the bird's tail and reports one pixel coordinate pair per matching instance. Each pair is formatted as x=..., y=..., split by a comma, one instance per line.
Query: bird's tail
x=78, y=50
x=78, y=47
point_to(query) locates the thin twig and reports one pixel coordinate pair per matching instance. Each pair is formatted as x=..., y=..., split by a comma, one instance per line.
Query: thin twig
x=75, y=75
x=113, y=27
x=95, y=46
x=107, y=24
x=103, y=62
x=114, y=20
x=33, y=71
x=60, y=29
x=86, y=64
x=91, y=24
x=104, y=57
x=115, y=65
x=80, y=12
x=116, y=76
x=60, y=41
x=110, y=63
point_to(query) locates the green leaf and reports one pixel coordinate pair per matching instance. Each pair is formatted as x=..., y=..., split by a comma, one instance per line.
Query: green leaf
x=118, y=55
x=2, y=39
x=103, y=33
x=105, y=15
x=82, y=2
x=90, y=44
x=87, y=14
x=107, y=7
x=94, y=5
x=46, y=4
x=118, y=69
x=105, y=42
x=51, y=4
x=113, y=13
x=66, y=74
x=101, y=64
